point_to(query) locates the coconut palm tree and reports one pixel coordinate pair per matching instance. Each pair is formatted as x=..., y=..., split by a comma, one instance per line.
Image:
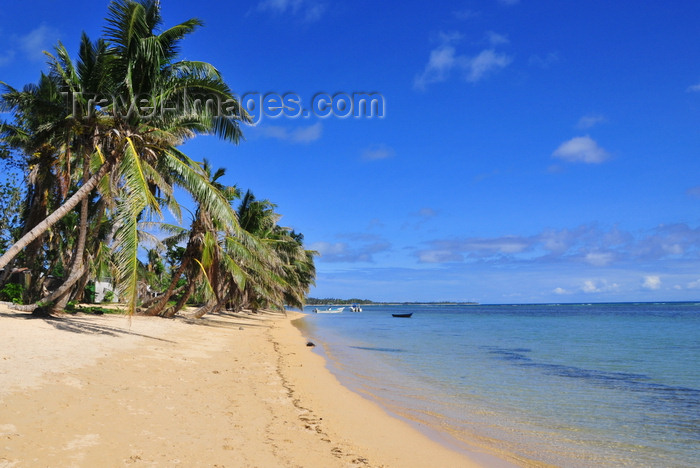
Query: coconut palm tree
x=289, y=269
x=90, y=73
x=136, y=145
x=37, y=133
x=202, y=246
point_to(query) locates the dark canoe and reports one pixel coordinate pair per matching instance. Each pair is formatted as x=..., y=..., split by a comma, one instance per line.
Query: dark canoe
x=402, y=315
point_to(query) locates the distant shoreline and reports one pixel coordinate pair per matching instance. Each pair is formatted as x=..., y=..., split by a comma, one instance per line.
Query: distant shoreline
x=344, y=302
x=315, y=302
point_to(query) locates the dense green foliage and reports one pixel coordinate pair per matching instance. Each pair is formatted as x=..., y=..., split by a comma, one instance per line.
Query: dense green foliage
x=96, y=141
x=12, y=292
x=10, y=210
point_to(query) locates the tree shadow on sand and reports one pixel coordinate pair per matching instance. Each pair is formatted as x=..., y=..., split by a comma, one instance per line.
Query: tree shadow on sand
x=225, y=319
x=81, y=324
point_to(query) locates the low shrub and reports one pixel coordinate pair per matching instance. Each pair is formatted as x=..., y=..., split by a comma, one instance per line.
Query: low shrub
x=12, y=292
x=108, y=296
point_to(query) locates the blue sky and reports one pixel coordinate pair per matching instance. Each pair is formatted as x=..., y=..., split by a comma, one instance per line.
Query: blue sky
x=530, y=151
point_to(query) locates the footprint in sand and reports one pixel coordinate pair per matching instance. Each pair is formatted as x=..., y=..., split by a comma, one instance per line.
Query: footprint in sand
x=87, y=440
x=7, y=431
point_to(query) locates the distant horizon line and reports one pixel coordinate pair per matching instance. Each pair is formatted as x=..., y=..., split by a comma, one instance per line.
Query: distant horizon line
x=328, y=301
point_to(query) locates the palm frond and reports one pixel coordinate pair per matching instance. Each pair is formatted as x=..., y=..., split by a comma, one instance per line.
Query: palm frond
x=200, y=188
x=126, y=258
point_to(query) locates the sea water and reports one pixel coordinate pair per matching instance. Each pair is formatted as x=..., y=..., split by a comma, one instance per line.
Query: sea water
x=575, y=385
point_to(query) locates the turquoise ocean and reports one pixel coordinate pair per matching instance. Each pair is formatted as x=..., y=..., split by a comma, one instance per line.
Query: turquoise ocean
x=574, y=385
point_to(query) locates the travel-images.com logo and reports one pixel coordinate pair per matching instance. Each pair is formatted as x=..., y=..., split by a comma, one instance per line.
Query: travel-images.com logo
x=360, y=105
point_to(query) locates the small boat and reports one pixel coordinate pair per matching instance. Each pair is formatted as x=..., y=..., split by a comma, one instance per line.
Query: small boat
x=402, y=315
x=330, y=310
x=355, y=308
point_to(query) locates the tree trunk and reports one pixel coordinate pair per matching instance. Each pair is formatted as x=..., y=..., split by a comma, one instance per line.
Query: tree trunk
x=79, y=290
x=78, y=267
x=152, y=300
x=6, y=274
x=36, y=211
x=158, y=308
x=218, y=307
x=205, y=309
x=182, y=301
x=54, y=217
x=60, y=297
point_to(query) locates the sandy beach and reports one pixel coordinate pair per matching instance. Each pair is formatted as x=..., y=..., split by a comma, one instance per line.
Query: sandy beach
x=224, y=391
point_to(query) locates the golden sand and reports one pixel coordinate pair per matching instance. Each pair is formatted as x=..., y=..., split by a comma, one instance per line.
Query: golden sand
x=224, y=391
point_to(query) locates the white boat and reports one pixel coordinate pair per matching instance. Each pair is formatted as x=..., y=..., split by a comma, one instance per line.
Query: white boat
x=355, y=308
x=330, y=310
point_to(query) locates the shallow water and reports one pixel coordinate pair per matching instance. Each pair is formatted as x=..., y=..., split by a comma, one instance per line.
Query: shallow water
x=571, y=385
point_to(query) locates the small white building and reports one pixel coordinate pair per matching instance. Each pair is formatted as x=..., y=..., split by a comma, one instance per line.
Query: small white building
x=101, y=287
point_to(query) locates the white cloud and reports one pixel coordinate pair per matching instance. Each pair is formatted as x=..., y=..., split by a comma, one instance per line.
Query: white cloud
x=496, y=39
x=427, y=213
x=444, y=60
x=363, y=251
x=668, y=241
x=307, y=134
x=297, y=135
x=308, y=10
x=376, y=152
x=581, y=149
x=694, y=88
x=420, y=218
x=544, y=62
x=314, y=12
x=478, y=248
x=7, y=57
x=326, y=248
x=37, y=41
x=560, y=291
x=588, y=121
x=598, y=286
x=486, y=62
x=506, y=245
x=599, y=258
x=586, y=244
x=278, y=6
x=375, y=223
x=31, y=45
x=438, y=256
x=652, y=283
x=465, y=14
x=440, y=63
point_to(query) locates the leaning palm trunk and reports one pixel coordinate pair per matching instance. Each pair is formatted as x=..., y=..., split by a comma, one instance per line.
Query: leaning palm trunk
x=158, y=308
x=169, y=313
x=79, y=290
x=218, y=307
x=152, y=300
x=57, y=215
x=78, y=267
x=61, y=295
x=215, y=304
x=205, y=309
x=38, y=308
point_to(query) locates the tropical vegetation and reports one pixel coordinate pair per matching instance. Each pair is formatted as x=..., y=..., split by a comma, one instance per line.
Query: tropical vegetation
x=96, y=143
